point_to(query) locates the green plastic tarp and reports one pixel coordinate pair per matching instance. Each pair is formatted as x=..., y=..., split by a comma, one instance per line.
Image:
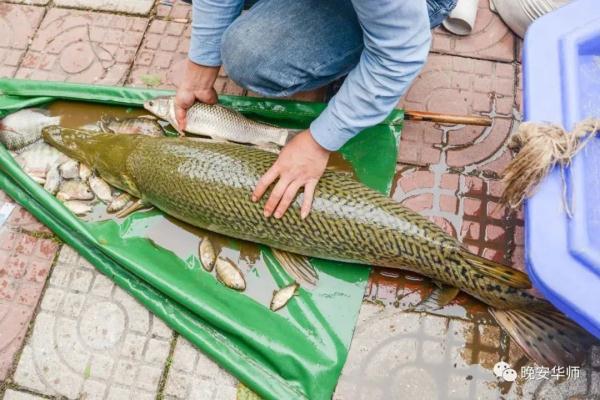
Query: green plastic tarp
x=296, y=353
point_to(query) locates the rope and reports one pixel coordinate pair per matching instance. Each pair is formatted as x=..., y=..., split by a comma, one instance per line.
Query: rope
x=541, y=147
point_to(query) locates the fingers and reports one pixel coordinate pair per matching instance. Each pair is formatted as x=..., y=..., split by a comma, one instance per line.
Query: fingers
x=264, y=183
x=180, y=114
x=276, y=196
x=309, y=192
x=287, y=198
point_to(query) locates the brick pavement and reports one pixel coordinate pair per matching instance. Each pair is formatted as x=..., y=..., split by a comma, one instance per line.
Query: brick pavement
x=89, y=339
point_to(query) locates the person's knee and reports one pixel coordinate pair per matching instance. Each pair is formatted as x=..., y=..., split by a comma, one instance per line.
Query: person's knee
x=248, y=59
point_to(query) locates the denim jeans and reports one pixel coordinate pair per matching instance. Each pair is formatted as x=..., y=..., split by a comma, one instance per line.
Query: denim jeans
x=255, y=58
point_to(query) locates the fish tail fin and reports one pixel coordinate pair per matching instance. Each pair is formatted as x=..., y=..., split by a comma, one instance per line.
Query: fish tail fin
x=546, y=335
x=507, y=275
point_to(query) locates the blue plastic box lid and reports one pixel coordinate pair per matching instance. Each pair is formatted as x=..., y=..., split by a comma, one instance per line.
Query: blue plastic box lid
x=561, y=84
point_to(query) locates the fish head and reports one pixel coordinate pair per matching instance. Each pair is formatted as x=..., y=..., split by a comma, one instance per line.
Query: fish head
x=105, y=153
x=160, y=106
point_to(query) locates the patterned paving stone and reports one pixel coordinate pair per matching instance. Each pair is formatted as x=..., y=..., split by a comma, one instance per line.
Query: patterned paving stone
x=464, y=86
x=82, y=46
x=161, y=60
x=18, y=218
x=469, y=204
x=14, y=395
x=17, y=26
x=400, y=355
x=491, y=39
x=91, y=339
x=24, y=265
x=194, y=376
x=178, y=11
x=130, y=6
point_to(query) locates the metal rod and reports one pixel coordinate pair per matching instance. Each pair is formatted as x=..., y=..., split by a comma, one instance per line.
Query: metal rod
x=447, y=118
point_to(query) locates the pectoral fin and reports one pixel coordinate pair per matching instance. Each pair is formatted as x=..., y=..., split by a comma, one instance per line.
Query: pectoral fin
x=440, y=296
x=137, y=205
x=297, y=266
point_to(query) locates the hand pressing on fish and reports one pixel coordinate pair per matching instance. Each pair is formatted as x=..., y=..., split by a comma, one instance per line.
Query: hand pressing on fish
x=300, y=164
x=198, y=85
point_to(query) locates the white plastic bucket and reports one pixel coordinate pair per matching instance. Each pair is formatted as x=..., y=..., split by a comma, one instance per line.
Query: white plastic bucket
x=518, y=14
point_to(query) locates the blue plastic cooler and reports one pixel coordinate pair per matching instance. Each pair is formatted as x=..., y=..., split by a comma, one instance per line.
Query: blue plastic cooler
x=561, y=72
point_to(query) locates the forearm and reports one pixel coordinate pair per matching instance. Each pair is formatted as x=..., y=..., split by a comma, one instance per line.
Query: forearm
x=397, y=39
x=210, y=18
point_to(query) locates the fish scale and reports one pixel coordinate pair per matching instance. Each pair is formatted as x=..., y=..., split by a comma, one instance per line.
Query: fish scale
x=208, y=184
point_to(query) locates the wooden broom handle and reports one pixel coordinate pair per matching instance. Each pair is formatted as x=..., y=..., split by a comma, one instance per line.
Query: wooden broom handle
x=447, y=118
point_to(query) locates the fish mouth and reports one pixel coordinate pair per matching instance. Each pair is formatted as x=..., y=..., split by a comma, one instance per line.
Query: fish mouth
x=66, y=140
x=53, y=135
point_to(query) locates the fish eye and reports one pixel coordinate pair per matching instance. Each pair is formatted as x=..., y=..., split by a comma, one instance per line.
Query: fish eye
x=151, y=103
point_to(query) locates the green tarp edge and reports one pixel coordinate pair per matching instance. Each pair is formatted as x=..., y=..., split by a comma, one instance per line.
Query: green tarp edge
x=180, y=319
x=227, y=354
x=136, y=96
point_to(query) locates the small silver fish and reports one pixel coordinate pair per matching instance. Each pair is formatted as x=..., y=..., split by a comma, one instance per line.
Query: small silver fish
x=38, y=158
x=219, y=122
x=52, y=180
x=207, y=254
x=84, y=172
x=69, y=169
x=101, y=189
x=78, y=207
x=24, y=127
x=38, y=179
x=283, y=295
x=74, y=190
x=148, y=126
x=229, y=274
x=118, y=203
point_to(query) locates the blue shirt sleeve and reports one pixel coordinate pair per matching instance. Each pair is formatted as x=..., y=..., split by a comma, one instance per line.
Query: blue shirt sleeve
x=210, y=19
x=396, y=43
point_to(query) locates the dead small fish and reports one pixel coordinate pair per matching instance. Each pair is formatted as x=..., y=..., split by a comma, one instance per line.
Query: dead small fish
x=101, y=189
x=148, y=126
x=118, y=203
x=283, y=295
x=74, y=190
x=78, y=207
x=207, y=254
x=69, y=169
x=229, y=274
x=52, y=180
x=37, y=158
x=38, y=179
x=84, y=172
x=24, y=127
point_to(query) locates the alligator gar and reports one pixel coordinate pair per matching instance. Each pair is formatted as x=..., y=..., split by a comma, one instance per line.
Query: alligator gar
x=208, y=184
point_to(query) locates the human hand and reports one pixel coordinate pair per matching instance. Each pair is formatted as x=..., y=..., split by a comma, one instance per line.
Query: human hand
x=197, y=84
x=301, y=163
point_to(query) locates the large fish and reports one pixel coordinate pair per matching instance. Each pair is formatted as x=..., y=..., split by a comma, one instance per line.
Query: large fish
x=220, y=122
x=208, y=185
x=24, y=127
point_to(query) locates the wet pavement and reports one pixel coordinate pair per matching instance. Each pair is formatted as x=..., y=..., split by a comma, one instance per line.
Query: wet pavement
x=67, y=331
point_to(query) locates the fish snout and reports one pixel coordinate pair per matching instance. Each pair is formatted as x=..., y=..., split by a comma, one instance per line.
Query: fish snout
x=52, y=134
